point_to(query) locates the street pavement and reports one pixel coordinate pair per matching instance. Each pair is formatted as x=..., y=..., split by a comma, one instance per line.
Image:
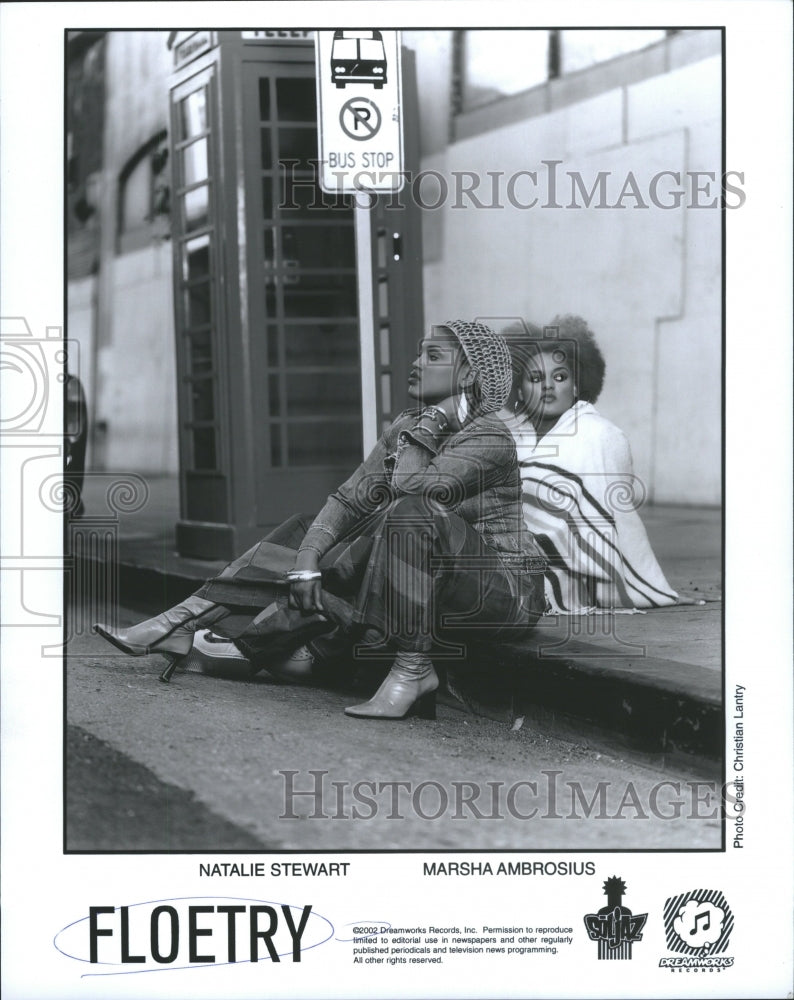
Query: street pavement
x=653, y=681
x=199, y=765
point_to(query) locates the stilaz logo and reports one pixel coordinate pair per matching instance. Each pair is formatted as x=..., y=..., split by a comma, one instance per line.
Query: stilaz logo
x=615, y=927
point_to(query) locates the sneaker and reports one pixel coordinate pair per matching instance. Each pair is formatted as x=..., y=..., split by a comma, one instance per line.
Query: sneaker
x=297, y=667
x=212, y=654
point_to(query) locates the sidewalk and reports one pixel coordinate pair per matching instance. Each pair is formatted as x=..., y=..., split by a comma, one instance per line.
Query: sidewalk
x=649, y=681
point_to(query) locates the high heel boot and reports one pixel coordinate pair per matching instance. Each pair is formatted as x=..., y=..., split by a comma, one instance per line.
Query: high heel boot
x=170, y=632
x=409, y=689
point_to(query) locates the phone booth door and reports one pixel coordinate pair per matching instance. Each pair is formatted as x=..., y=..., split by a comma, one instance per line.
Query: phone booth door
x=302, y=300
x=266, y=296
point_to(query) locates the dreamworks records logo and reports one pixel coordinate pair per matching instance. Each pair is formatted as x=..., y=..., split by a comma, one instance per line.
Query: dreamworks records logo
x=697, y=925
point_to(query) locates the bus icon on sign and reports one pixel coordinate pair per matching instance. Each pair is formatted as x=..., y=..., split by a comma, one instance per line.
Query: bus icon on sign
x=358, y=57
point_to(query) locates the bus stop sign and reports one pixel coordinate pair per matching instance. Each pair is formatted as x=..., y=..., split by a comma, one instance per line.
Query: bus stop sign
x=359, y=103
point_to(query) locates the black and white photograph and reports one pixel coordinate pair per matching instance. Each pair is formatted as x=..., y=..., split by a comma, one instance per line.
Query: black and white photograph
x=381, y=526
x=276, y=373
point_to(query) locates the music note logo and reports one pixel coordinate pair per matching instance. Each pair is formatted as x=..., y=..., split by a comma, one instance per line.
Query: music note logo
x=698, y=922
x=705, y=916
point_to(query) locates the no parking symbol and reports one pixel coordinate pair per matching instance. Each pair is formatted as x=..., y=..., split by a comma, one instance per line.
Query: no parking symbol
x=360, y=119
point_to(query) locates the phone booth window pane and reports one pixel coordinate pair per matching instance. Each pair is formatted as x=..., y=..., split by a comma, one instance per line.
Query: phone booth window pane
x=275, y=395
x=266, y=149
x=330, y=344
x=197, y=207
x=203, y=400
x=264, y=99
x=198, y=304
x=196, y=261
x=324, y=443
x=276, y=454
x=381, y=248
x=268, y=206
x=319, y=246
x=321, y=295
x=334, y=394
x=385, y=393
x=269, y=244
x=272, y=347
x=193, y=116
x=383, y=297
x=296, y=99
x=200, y=352
x=204, y=456
x=194, y=162
x=297, y=144
x=385, y=346
x=301, y=198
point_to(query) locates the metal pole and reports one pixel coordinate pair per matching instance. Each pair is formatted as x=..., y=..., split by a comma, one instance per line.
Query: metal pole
x=366, y=328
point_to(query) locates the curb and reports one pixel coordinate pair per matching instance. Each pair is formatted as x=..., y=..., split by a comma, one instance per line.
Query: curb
x=653, y=705
x=638, y=703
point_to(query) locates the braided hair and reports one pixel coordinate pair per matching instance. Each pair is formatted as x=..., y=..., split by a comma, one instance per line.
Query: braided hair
x=489, y=358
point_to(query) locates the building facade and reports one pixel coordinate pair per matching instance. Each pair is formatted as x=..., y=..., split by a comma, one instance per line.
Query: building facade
x=552, y=172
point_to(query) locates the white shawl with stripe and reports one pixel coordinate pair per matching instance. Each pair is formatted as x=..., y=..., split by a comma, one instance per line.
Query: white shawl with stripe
x=580, y=503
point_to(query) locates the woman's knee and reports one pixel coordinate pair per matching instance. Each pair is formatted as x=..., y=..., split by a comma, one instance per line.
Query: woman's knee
x=413, y=507
x=291, y=531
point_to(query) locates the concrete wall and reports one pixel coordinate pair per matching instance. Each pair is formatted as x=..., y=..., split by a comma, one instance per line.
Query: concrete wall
x=134, y=400
x=648, y=280
x=137, y=76
x=433, y=75
x=136, y=368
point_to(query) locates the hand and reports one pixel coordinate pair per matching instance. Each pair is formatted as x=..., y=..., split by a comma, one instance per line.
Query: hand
x=450, y=406
x=307, y=597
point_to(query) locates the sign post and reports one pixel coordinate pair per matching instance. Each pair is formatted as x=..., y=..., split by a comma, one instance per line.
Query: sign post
x=360, y=138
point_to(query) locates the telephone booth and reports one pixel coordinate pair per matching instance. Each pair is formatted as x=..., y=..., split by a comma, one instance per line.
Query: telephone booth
x=277, y=296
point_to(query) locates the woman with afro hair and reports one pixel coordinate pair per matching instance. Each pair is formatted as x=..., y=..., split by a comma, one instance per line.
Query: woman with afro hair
x=580, y=495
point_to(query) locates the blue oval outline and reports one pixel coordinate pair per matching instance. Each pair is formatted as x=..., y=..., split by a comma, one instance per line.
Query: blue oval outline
x=184, y=968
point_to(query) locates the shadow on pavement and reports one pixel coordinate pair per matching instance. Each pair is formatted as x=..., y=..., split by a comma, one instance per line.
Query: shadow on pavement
x=111, y=800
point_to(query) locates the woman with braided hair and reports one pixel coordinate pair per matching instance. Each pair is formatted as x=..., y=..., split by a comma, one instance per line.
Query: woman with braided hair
x=424, y=541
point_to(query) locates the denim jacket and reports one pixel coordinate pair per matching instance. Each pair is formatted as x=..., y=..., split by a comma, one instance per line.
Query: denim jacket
x=473, y=472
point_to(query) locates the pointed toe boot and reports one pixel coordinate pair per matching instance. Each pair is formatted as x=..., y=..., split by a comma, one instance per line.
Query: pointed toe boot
x=409, y=689
x=170, y=632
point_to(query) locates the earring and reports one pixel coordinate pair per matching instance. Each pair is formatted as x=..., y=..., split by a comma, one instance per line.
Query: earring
x=462, y=409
